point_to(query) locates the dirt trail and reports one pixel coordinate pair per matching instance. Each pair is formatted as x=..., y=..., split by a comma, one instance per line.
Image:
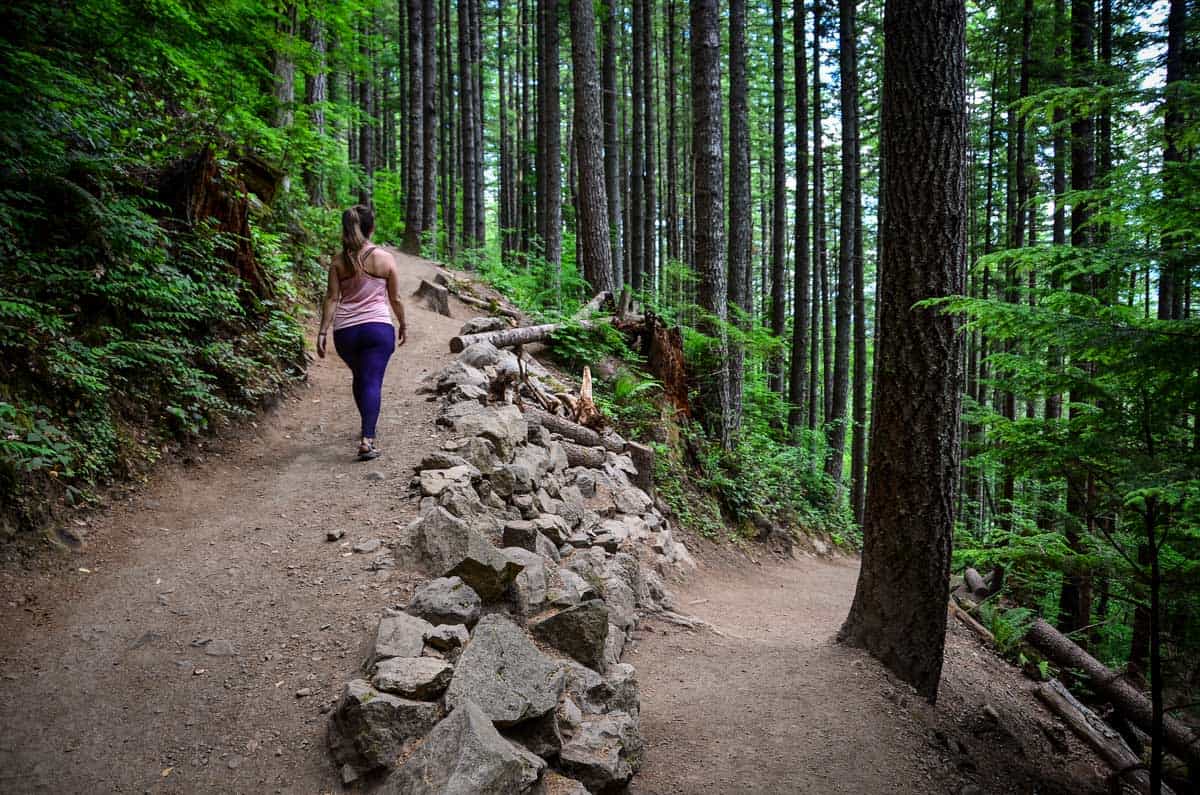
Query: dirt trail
x=772, y=705
x=102, y=689
x=108, y=681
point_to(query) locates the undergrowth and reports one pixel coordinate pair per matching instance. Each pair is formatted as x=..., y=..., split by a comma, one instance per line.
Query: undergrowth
x=768, y=479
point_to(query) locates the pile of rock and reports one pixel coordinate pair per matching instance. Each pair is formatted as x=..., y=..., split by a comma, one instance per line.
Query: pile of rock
x=502, y=673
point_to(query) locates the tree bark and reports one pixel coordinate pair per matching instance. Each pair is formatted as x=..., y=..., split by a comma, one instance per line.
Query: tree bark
x=848, y=65
x=316, y=83
x=595, y=245
x=429, y=122
x=801, y=298
x=778, y=199
x=414, y=187
x=650, y=208
x=739, y=200
x=612, y=163
x=548, y=163
x=1129, y=701
x=899, y=607
x=708, y=179
x=637, y=150
x=466, y=106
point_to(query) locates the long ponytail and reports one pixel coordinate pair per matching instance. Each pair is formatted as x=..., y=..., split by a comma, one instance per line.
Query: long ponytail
x=358, y=223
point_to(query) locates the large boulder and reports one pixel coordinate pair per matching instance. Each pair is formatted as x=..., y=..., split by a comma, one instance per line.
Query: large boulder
x=504, y=426
x=435, y=481
x=369, y=729
x=510, y=479
x=421, y=678
x=446, y=546
x=446, y=600
x=554, y=784
x=530, y=588
x=580, y=632
x=475, y=450
x=505, y=674
x=604, y=753
x=465, y=755
x=459, y=374
x=399, y=635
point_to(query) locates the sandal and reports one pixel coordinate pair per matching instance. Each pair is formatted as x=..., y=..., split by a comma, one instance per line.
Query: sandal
x=367, y=451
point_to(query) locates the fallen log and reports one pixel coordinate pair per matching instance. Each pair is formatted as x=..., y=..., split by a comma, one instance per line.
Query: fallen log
x=580, y=456
x=506, y=338
x=1128, y=700
x=593, y=306
x=574, y=432
x=974, y=581
x=436, y=297
x=490, y=306
x=1103, y=738
x=970, y=623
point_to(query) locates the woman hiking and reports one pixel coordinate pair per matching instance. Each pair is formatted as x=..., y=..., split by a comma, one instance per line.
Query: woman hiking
x=362, y=293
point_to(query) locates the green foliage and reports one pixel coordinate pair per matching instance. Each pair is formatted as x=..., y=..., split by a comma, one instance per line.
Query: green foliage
x=1007, y=625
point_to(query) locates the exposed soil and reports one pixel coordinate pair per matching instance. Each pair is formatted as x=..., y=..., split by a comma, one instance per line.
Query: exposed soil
x=110, y=682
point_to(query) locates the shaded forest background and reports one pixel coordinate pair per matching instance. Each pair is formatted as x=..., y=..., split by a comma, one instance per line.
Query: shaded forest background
x=172, y=172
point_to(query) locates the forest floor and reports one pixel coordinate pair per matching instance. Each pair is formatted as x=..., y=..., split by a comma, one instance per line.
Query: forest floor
x=198, y=639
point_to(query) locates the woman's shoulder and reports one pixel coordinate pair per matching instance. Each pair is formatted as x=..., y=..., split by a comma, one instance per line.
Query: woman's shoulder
x=380, y=262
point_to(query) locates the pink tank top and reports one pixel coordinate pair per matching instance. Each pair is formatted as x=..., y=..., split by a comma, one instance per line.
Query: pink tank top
x=364, y=300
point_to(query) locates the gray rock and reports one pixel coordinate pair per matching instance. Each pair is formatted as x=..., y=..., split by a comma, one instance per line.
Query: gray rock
x=399, y=635
x=505, y=674
x=462, y=501
x=368, y=546
x=553, y=527
x=626, y=568
x=579, y=586
x=621, y=602
x=219, y=648
x=447, y=546
x=504, y=426
x=622, y=684
x=545, y=547
x=435, y=481
x=420, y=678
x=480, y=325
x=509, y=479
x=476, y=451
x=604, y=753
x=524, y=504
x=441, y=460
x=446, y=600
x=368, y=729
x=459, y=373
x=614, y=646
x=585, y=481
x=558, y=457
x=375, y=476
x=334, y=535
x=554, y=784
x=580, y=632
x=520, y=534
x=465, y=755
x=448, y=637
x=534, y=458
x=529, y=589
x=584, y=687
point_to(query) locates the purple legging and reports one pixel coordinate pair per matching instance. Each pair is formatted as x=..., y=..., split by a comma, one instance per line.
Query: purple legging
x=366, y=348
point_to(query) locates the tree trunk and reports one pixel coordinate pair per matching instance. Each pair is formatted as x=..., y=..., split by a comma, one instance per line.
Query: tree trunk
x=899, y=608
x=820, y=265
x=798, y=374
x=315, y=94
x=466, y=140
x=549, y=152
x=1172, y=281
x=673, y=241
x=650, y=208
x=285, y=70
x=366, y=136
x=1128, y=700
x=637, y=151
x=778, y=198
x=848, y=65
x=477, y=96
x=595, y=245
x=414, y=187
x=612, y=163
x=708, y=179
x=739, y=200
x=429, y=121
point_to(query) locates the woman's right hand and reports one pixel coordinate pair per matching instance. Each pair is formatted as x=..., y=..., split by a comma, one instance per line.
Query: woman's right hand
x=321, y=344
x=401, y=335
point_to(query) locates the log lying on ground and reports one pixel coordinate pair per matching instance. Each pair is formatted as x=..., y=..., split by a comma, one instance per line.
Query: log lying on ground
x=974, y=581
x=1102, y=737
x=436, y=297
x=1128, y=700
x=580, y=456
x=593, y=306
x=454, y=286
x=970, y=623
x=506, y=338
x=574, y=432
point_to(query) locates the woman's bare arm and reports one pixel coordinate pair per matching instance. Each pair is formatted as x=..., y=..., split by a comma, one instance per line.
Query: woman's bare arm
x=393, y=290
x=333, y=292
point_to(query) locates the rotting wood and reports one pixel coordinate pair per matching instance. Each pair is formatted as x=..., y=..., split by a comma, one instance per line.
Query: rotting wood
x=580, y=456
x=1128, y=700
x=586, y=413
x=574, y=432
x=506, y=338
x=435, y=297
x=974, y=581
x=593, y=306
x=970, y=623
x=1102, y=737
